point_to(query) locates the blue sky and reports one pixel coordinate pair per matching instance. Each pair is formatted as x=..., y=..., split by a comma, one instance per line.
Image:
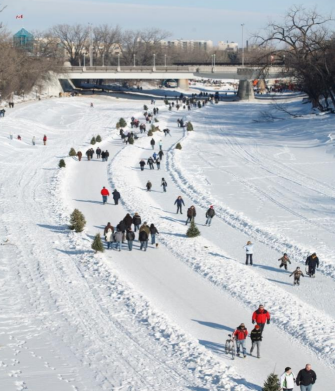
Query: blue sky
x=198, y=19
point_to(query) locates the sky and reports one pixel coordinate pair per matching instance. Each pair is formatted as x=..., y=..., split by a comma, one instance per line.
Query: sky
x=216, y=20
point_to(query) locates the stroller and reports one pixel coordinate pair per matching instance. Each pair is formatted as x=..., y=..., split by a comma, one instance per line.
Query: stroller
x=230, y=346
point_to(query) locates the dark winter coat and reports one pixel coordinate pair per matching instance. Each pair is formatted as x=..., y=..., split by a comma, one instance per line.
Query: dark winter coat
x=145, y=228
x=191, y=212
x=256, y=335
x=106, y=154
x=121, y=226
x=108, y=226
x=210, y=212
x=149, y=185
x=305, y=377
x=179, y=202
x=137, y=220
x=261, y=316
x=128, y=220
x=116, y=195
x=150, y=161
x=152, y=142
x=142, y=163
x=153, y=230
x=143, y=236
x=310, y=261
x=160, y=153
x=130, y=236
x=240, y=334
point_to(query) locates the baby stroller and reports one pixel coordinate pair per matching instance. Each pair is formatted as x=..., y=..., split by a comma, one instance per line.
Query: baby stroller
x=230, y=346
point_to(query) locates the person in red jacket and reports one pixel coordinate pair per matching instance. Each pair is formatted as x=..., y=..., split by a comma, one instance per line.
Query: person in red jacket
x=45, y=140
x=105, y=194
x=240, y=335
x=261, y=316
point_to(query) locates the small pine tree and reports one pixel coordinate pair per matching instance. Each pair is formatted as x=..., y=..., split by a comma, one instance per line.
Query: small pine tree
x=98, y=138
x=77, y=221
x=93, y=140
x=118, y=126
x=193, y=231
x=97, y=244
x=156, y=120
x=72, y=152
x=61, y=163
x=150, y=133
x=145, y=108
x=272, y=383
x=122, y=123
x=131, y=140
x=153, y=128
x=166, y=101
x=178, y=146
x=189, y=126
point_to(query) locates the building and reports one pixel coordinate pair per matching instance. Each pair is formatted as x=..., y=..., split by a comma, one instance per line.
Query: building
x=24, y=39
x=228, y=46
x=189, y=44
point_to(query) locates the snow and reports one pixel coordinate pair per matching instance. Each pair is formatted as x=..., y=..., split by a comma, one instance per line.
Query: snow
x=158, y=320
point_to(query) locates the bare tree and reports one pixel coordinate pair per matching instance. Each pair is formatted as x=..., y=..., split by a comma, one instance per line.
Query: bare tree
x=105, y=40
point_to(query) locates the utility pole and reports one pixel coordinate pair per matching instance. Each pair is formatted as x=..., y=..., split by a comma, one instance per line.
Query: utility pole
x=118, y=63
x=154, y=68
x=134, y=60
x=165, y=60
x=91, y=44
x=242, y=25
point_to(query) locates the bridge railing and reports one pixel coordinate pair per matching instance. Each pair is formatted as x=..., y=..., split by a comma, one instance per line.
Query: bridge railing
x=133, y=69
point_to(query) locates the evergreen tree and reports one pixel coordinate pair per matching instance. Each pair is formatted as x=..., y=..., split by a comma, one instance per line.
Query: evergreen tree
x=193, y=231
x=272, y=383
x=93, y=140
x=166, y=101
x=178, y=146
x=118, y=125
x=145, y=108
x=156, y=120
x=122, y=123
x=77, y=221
x=61, y=163
x=131, y=140
x=72, y=152
x=150, y=133
x=98, y=138
x=153, y=128
x=189, y=126
x=97, y=244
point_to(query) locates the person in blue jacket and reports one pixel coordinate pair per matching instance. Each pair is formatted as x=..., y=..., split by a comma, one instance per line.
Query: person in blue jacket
x=179, y=201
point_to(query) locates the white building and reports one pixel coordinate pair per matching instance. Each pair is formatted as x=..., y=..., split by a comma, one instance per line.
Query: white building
x=228, y=46
x=190, y=44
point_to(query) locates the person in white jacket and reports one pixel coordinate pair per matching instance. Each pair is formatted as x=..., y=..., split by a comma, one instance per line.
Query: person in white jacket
x=249, y=248
x=287, y=380
x=109, y=238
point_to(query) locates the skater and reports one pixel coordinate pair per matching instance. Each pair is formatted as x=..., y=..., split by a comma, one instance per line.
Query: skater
x=284, y=259
x=297, y=274
x=79, y=155
x=256, y=339
x=108, y=226
x=149, y=186
x=164, y=184
x=142, y=164
x=161, y=154
x=312, y=262
x=105, y=194
x=153, y=233
x=116, y=196
x=306, y=378
x=179, y=201
x=137, y=221
x=249, y=248
x=191, y=213
x=153, y=142
x=109, y=238
x=287, y=380
x=130, y=236
x=128, y=220
x=209, y=215
x=45, y=140
x=151, y=163
x=240, y=335
x=261, y=316
x=143, y=238
x=118, y=236
x=158, y=163
x=160, y=145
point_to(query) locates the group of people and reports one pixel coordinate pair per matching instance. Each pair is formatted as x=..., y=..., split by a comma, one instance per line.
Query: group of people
x=191, y=211
x=156, y=158
x=163, y=184
x=105, y=194
x=103, y=155
x=306, y=379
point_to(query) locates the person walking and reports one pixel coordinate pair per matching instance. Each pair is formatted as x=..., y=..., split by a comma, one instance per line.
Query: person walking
x=160, y=145
x=98, y=152
x=249, y=249
x=154, y=155
x=137, y=221
x=153, y=142
x=142, y=164
x=261, y=316
x=79, y=155
x=106, y=155
x=149, y=186
x=151, y=163
x=312, y=262
x=128, y=220
x=143, y=238
x=109, y=238
x=297, y=274
x=191, y=213
x=103, y=156
x=105, y=195
x=164, y=184
x=158, y=163
x=160, y=154
x=240, y=335
x=116, y=196
x=130, y=236
x=284, y=260
x=209, y=215
x=179, y=201
x=306, y=378
x=45, y=140
x=153, y=233
x=108, y=226
x=33, y=140
x=256, y=339
x=287, y=380
x=118, y=236
x=145, y=228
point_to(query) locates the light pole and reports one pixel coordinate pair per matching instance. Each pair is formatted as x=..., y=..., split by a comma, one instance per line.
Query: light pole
x=118, y=62
x=91, y=44
x=214, y=62
x=165, y=60
x=103, y=59
x=84, y=60
x=154, y=68
x=134, y=60
x=242, y=25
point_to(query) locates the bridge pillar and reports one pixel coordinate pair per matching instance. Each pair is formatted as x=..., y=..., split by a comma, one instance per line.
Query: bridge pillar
x=183, y=83
x=246, y=90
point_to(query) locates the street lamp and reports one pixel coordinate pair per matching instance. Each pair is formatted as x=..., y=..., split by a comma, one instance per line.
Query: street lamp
x=84, y=60
x=134, y=60
x=103, y=59
x=214, y=61
x=118, y=62
x=154, y=62
x=165, y=60
x=242, y=25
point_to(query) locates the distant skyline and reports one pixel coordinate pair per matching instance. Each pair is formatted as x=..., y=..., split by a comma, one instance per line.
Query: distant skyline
x=216, y=20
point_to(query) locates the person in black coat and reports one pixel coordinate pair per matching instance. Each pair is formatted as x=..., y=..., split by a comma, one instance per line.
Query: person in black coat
x=161, y=154
x=153, y=233
x=122, y=228
x=179, y=201
x=143, y=238
x=312, y=262
x=209, y=215
x=142, y=164
x=128, y=220
x=306, y=377
x=256, y=338
x=137, y=221
x=116, y=196
x=153, y=142
x=106, y=155
x=151, y=163
x=149, y=186
x=191, y=213
x=130, y=236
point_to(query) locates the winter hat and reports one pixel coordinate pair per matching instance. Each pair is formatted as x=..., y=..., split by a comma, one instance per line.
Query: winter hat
x=287, y=369
x=211, y=207
x=257, y=327
x=298, y=267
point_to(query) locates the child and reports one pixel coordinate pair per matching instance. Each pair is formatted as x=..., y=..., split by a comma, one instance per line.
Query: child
x=297, y=274
x=284, y=259
x=249, y=249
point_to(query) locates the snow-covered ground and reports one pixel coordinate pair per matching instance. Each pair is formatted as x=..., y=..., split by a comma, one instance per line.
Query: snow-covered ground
x=158, y=320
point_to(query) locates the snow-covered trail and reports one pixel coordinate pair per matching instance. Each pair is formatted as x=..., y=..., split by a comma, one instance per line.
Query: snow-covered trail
x=204, y=311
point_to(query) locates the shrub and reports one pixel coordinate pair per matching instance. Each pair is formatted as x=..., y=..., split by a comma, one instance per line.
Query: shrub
x=153, y=128
x=166, y=101
x=156, y=120
x=272, y=383
x=61, y=163
x=118, y=126
x=98, y=138
x=145, y=108
x=189, y=126
x=178, y=146
x=150, y=133
x=193, y=231
x=77, y=221
x=131, y=140
x=122, y=123
x=97, y=244
x=72, y=152
x=93, y=140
